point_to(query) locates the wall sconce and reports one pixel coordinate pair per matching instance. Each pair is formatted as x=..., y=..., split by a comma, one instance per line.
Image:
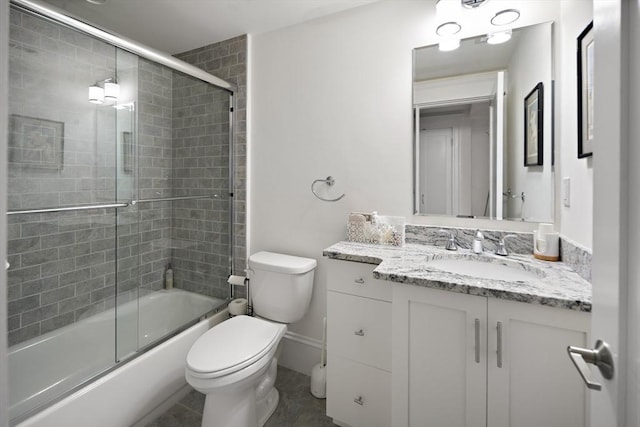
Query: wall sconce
x=96, y=94
x=109, y=92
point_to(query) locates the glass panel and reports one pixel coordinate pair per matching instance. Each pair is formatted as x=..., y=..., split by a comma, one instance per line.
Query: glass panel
x=61, y=153
x=128, y=239
x=61, y=291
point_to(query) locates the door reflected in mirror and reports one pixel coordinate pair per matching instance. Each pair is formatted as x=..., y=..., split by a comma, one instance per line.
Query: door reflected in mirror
x=469, y=128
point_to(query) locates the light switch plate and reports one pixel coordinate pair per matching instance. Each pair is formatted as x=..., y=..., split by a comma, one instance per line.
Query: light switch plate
x=566, y=191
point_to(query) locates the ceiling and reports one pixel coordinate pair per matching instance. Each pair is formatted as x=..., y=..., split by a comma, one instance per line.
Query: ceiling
x=175, y=26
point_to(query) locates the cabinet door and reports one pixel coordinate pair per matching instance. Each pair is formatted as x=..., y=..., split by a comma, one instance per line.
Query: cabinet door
x=358, y=395
x=531, y=380
x=439, y=358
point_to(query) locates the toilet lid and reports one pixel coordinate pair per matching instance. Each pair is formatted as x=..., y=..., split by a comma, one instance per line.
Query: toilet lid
x=233, y=345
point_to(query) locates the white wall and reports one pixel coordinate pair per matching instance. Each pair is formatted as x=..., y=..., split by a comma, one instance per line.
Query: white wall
x=576, y=220
x=333, y=97
x=524, y=73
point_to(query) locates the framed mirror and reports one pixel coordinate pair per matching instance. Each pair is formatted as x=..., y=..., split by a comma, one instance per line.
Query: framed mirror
x=476, y=119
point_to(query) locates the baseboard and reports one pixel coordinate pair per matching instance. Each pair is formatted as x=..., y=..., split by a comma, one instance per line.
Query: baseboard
x=300, y=352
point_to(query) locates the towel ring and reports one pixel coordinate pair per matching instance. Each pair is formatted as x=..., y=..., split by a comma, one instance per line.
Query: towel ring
x=329, y=181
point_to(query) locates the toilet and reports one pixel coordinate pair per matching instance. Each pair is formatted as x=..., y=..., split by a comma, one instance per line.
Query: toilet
x=235, y=363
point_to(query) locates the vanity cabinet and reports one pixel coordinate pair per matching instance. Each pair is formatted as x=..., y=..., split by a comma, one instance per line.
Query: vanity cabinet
x=358, y=345
x=462, y=360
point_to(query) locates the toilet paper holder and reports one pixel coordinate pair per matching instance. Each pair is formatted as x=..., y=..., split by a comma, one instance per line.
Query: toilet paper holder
x=235, y=280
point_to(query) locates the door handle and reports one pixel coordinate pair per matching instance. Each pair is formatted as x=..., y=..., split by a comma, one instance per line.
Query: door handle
x=600, y=356
x=477, y=337
x=499, y=345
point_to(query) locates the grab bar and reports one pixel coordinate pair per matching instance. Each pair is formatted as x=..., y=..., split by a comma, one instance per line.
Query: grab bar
x=329, y=181
x=68, y=209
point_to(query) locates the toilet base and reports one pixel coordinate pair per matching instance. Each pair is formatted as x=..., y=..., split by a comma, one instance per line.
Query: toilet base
x=267, y=406
x=239, y=410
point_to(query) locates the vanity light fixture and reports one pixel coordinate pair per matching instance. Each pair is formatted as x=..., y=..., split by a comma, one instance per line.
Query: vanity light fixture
x=505, y=17
x=499, y=37
x=96, y=94
x=447, y=7
x=449, y=44
x=448, y=29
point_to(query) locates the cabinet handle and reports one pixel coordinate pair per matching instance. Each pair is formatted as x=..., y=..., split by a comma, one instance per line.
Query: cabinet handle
x=358, y=400
x=477, y=333
x=359, y=333
x=499, y=350
x=359, y=281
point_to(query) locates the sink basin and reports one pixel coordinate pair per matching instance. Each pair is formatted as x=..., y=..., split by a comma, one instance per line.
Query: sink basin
x=498, y=270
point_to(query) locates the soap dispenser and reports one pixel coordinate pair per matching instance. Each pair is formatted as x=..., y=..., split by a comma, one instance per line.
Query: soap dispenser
x=477, y=242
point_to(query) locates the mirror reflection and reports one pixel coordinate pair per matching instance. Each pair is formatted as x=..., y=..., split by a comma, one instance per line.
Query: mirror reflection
x=473, y=112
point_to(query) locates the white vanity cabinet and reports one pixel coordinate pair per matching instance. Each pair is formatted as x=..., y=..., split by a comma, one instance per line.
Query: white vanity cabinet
x=358, y=345
x=462, y=360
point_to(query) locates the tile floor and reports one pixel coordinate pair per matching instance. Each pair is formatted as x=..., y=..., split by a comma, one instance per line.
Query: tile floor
x=297, y=407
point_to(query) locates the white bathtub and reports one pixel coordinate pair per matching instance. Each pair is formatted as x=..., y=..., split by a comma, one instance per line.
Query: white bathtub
x=44, y=367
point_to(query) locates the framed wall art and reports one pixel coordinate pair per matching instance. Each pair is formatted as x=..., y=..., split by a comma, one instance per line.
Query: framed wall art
x=533, y=126
x=585, y=92
x=36, y=143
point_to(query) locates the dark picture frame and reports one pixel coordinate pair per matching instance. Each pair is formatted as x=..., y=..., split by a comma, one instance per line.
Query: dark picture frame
x=533, y=126
x=36, y=143
x=585, y=92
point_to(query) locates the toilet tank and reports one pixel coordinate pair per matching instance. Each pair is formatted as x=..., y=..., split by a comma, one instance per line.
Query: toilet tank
x=281, y=285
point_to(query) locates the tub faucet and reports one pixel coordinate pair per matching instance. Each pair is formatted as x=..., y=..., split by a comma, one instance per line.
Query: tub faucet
x=502, y=247
x=451, y=240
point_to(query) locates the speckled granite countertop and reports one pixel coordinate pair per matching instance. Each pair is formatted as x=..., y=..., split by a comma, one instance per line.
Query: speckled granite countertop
x=555, y=284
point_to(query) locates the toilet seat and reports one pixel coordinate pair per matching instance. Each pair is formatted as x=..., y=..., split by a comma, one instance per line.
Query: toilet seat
x=232, y=345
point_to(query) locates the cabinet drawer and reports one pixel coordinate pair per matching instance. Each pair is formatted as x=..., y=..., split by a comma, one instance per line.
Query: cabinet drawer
x=359, y=329
x=357, y=279
x=358, y=395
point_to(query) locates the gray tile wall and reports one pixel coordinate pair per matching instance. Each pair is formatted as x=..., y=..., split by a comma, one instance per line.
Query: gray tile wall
x=200, y=231
x=155, y=157
x=228, y=60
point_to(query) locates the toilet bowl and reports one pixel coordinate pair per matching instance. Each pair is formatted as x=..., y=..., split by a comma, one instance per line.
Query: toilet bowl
x=234, y=363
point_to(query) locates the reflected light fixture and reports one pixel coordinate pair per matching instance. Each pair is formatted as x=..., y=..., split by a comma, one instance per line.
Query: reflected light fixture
x=111, y=90
x=499, y=37
x=96, y=94
x=449, y=44
x=505, y=17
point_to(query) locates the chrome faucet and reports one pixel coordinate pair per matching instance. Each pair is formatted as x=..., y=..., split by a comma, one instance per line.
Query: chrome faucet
x=451, y=240
x=502, y=247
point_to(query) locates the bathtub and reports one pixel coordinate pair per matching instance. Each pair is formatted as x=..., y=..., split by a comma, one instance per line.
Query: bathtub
x=43, y=368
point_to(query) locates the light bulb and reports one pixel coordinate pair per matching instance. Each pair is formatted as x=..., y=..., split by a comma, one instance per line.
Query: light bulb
x=96, y=94
x=111, y=91
x=501, y=37
x=449, y=44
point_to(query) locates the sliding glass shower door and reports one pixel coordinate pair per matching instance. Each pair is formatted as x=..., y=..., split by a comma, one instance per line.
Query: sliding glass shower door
x=119, y=167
